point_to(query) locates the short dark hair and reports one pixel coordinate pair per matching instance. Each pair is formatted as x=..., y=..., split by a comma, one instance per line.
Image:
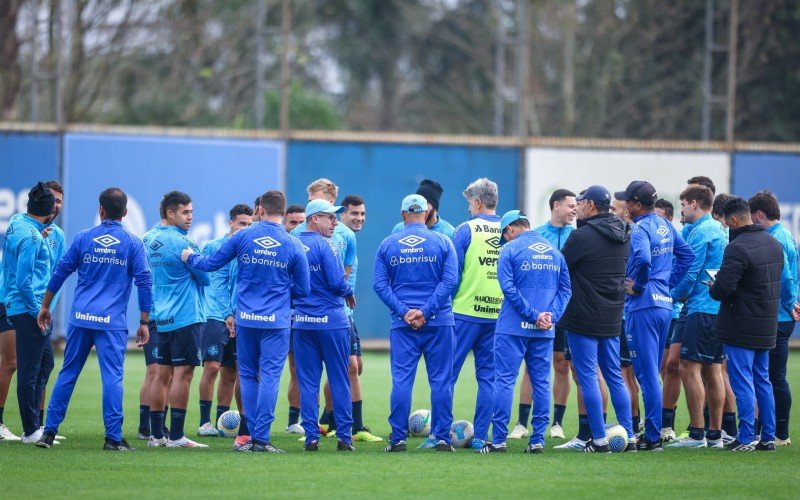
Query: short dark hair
x=240, y=209
x=703, y=181
x=114, y=201
x=257, y=203
x=701, y=194
x=666, y=206
x=521, y=223
x=767, y=203
x=559, y=195
x=720, y=201
x=352, y=200
x=736, y=206
x=273, y=202
x=55, y=186
x=295, y=209
x=171, y=201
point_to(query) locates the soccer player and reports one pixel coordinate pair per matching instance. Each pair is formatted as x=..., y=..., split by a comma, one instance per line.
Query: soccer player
x=415, y=275
x=432, y=192
x=765, y=210
x=179, y=315
x=107, y=258
x=295, y=215
x=701, y=354
x=8, y=358
x=648, y=306
x=321, y=328
x=273, y=270
x=219, y=333
x=535, y=283
x=476, y=302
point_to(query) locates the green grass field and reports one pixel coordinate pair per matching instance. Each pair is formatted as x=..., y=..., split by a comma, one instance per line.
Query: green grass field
x=79, y=467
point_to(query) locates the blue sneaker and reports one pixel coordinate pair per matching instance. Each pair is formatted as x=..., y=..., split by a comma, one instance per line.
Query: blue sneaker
x=430, y=442
x=477, y=444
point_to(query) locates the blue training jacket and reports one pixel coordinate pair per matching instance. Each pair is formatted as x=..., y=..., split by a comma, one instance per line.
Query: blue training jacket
x=441, y=227
x=177, y=289
x=534, y=278
x=323, y=308
x=416, y=268
x=218, y=295
x=26, y=265
x=343, y=237
x=57, y=243
x=107, y=258
x=557, y=236
x=272, y=269
x=707, y=241
x=654, y=241
x=789, y=278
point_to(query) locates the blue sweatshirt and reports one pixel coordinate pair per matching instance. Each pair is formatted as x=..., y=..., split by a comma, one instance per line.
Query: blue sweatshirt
x=218, y=295
x=557, y=236
x=107, y=258
x=26, y=265
x=343, y=237
x=177, y=289
x=57, y=243
x=416, y=268
x=323, y=308
x=708, y=242
x=789, y=278
x=534, y=278
x=654, y=241
x=441, y=227
x=272, y=269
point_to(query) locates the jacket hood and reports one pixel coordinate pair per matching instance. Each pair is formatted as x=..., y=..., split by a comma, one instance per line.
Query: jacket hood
x=609, y=226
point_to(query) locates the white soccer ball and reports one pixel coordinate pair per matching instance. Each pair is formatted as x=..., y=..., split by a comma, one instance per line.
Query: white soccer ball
x=617, y=438
x=419, y=423
x=228, y=423
x=461, y=433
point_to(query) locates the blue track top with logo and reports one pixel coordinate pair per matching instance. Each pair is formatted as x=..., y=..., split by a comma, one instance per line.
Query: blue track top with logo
x=26, y=265
x=534, y=279
x=654, y=241
x=441, y=227
x=177, y=289
x=107, y=258
x=323, y=308
x=707, y=241
x=273, y=269
x=219, y=304
x=417, y=268
x=789, y=278
x=343, y=237
x=557, y=236
x=57, y=244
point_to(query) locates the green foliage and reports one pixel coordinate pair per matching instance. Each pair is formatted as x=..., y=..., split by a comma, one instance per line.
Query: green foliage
x=307, y=110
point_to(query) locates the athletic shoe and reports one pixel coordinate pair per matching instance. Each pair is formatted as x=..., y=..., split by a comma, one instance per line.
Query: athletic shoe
x=365, y=435
x=717, y=444
x=312, y=446
x=207, y=430
x=442, y=446
x=124, y=444
x=644, y=445
x=682, y=435
x=330, y=434
x=688, y=442
x=572, y=444
x=243, y=448
x=157, y=443
x=737, y=446
x=117, y=446
x=668, y=435
x=58, y=438
x=46, y=441
x=596, y=448
x=143, y=434
x=7, y=435
x=765, y=446
x=783, y=442
x=430, y=442
x=33, y=438
x=184, y=442
x=727, y=438
x=295, y=429
x=519, y=432
x=631, y=448
x=265, y=448
x=240, y=441
x=534, y=448
x=396, y=447
x=323, y=429
x=493, y=448
x=476, y=444
x=556, y=432
x=342, y=446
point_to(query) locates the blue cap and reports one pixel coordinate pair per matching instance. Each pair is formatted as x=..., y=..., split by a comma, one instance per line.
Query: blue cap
x=598, y=194
x=508, y=218
x=414, y=203
x=321, y=206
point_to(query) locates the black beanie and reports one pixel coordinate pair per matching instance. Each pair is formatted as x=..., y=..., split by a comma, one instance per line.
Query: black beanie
x=41, y=200
x=431, y=191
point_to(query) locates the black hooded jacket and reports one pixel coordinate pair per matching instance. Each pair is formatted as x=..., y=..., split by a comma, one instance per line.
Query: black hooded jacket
x=596, y=254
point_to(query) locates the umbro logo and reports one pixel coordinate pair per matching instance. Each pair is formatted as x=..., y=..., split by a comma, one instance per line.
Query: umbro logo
x=494, y=242
x=155, y=245
x=540, y=247
x=662, y=231
x=106, y=240
x=266, y=242
x=411, y=241
x=306, y=248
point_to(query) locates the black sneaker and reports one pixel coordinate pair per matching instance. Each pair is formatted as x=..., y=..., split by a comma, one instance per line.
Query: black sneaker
x=342, y=446
x=631, y=447
x=765, y=446
x=739, y=446
x=645, y=445
x=264, y=448
x=312, y=446
x=493, y=448
x=596, y=448
x=111, y=445
x=442, y=446
x=534, y=449
x=396, y=447
x=124, y=446
x=46, y=441
x=244, y=448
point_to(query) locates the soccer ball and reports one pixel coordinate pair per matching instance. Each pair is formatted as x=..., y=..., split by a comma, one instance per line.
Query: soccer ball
x=617, y=438
x=228, y=423
x=419, y=423
x=461, y=434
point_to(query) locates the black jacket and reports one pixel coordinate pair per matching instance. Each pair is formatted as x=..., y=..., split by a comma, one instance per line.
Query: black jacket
x=748, y=286
x=596, y=255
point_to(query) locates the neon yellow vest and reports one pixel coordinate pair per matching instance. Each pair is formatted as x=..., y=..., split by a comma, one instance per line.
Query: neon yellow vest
x=479, y=293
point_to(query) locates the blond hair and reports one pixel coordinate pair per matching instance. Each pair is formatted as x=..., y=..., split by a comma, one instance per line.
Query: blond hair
x=326, y=186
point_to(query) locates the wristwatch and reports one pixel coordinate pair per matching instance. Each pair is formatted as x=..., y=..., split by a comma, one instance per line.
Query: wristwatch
x=143, y=322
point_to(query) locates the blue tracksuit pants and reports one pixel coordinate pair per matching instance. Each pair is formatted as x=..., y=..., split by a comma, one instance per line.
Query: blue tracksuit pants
x=478, y=338
x=32, y=346
x=587, y=354
x=647, y=330
x=261, y=354
x=111, y=345
x=510, y=351
x=748, y=371
x=406, y=347
x=311, y=349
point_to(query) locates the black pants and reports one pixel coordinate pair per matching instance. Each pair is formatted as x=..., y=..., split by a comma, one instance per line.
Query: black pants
x=34, y=365
x=777, y=376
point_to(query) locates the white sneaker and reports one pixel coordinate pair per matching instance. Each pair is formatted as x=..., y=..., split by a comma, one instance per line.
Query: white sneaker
x=519, y=432
x=207, y=430
x=556, y=431
x=7, y=435
x=184, y=442
x=572, y=444
x=157, y=443
x=689, y=443
x=295, y=429
x=783, y=442
x=37, y=435
x=668, y=434
x=727, y=438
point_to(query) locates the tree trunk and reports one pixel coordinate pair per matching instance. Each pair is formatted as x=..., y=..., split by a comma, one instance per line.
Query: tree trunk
x=10, y=69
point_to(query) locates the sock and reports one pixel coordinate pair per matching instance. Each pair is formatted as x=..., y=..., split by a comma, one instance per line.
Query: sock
x=166, y=412
x=758, y=427
x=41, y=418
x=177, y=417
x=323, y=418
x=205, y=411
x=636, y=420
x=781, y=428
x=157, y=424
x=605, y=417
x=729, y=423
x=144, y=418
x=1, y=414
x=667, y=418
x=358, y=418
x=558, y=414
x=294, y=415
x=220, y=410
x=714, y=435
x=243, y=430
x=584, y=431
x=525, y=414
x=331, y=421
x=706, y=417
x=696, y=433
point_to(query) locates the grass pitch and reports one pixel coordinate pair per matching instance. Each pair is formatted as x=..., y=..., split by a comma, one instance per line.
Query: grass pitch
x=79, y=467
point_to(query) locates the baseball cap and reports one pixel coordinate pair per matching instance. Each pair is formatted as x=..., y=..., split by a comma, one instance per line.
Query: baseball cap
x=508, y=218
x=414, y=203
x=598, y=194
x=322, y=206
x=641, y=191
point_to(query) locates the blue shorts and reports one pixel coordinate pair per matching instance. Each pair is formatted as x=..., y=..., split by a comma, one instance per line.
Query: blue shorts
x=699, y=344
x=5, y=323
x=151, y=347
x=217, y=343
x=624, y=352
x=560, y=343
x=355, y=340
x=676, y=329
x=181, y=347
x=672, y=323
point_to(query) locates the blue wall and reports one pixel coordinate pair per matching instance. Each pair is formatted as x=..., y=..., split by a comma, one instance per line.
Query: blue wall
x=383, y=174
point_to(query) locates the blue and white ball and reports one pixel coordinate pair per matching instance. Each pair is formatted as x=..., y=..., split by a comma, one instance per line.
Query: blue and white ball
x=617, y=438
x=461, y=433
x=419, y=423
x=228, y=423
